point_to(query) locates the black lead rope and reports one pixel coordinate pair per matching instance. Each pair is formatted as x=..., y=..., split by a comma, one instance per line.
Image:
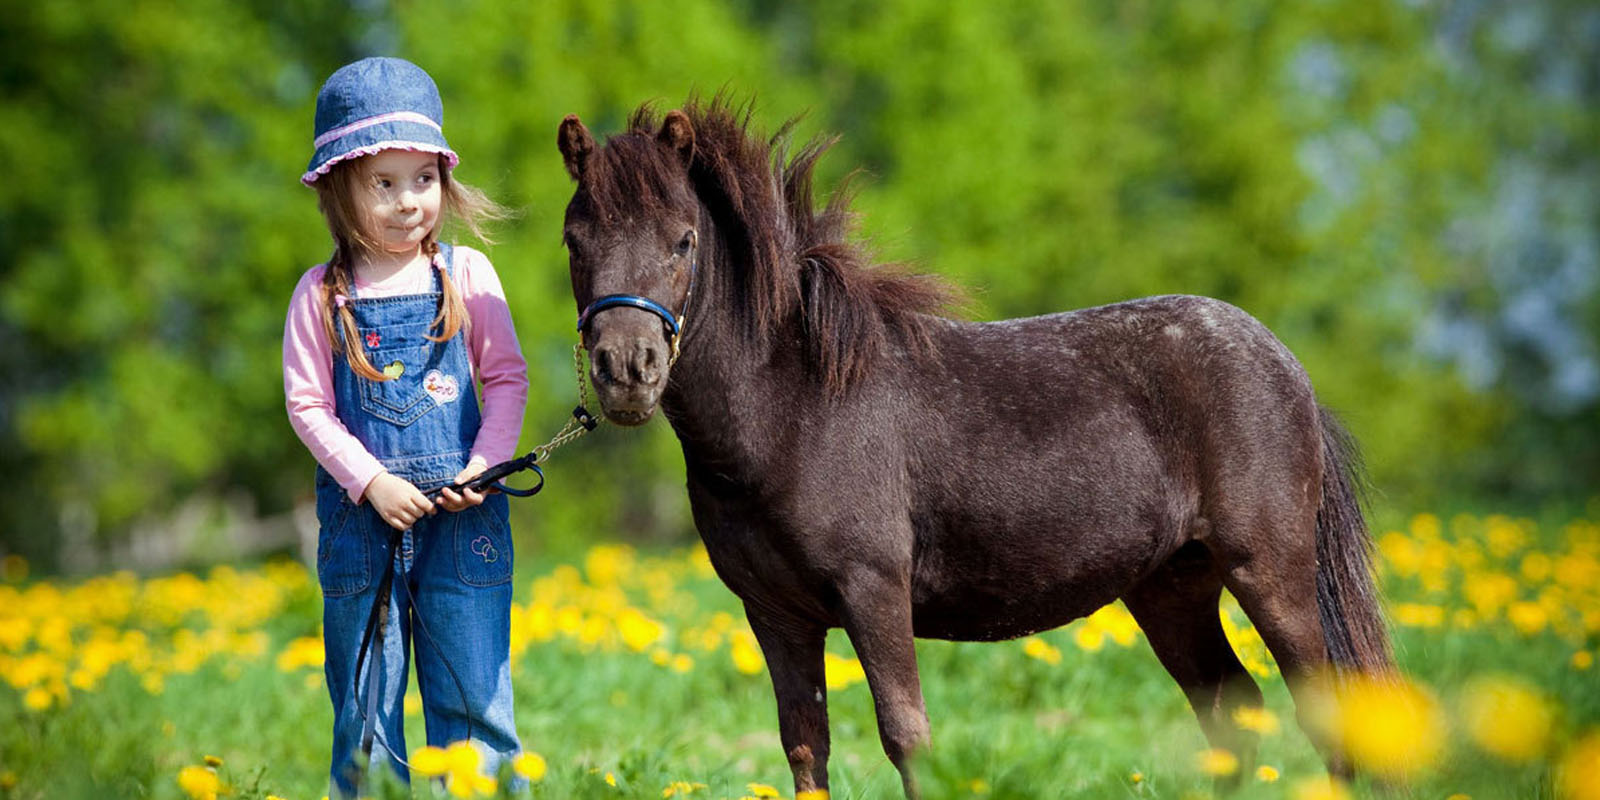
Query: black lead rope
x=371, y=651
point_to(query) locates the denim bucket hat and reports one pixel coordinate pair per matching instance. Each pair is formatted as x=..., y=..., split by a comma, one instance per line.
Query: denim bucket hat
x=372, y=105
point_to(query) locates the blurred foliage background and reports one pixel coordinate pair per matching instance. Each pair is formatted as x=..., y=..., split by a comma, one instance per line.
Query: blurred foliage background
x=1406, y=192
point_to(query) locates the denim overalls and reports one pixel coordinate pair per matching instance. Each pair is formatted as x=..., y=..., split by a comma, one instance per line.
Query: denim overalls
x=421, y=426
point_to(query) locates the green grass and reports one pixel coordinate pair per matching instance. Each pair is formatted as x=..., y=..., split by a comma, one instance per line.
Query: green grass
x=1003, y=723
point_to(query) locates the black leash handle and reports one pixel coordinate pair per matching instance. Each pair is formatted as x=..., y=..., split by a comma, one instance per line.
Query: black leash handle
x=582, y=422
x=491, y=479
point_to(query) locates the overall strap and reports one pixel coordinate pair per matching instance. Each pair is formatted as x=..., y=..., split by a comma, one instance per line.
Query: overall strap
x=448, y=251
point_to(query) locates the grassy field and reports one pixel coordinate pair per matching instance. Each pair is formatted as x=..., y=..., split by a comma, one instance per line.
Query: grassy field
x=636, y=677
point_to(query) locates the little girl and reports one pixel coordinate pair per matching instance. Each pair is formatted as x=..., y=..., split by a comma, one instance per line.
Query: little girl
x=383, y=350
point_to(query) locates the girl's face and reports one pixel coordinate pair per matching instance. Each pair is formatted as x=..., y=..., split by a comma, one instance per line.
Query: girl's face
x=402, y=198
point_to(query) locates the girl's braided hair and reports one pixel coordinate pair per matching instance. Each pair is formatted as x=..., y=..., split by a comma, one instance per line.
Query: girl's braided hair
x=337, y=198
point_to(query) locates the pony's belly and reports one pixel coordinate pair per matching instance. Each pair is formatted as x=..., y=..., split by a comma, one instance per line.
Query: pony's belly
x=966, y=588
x=976, y=617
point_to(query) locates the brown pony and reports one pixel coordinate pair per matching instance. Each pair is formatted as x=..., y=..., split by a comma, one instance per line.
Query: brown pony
x=856, y=460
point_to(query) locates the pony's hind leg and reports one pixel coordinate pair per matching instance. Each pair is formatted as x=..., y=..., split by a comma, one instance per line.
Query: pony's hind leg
x=793, y=651
x=1177, y=608
x=1276, y=585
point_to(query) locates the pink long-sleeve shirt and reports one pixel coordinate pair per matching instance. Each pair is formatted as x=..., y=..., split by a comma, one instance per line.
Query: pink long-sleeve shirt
x=492, y=349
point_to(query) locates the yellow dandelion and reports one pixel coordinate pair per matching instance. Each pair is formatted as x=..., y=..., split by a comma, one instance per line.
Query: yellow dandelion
x=1582, y=660
x=200, y=783
x=1217, y=762
x=1088, y=638
x=638, y=631
x=1320, y=789
x=306, y=651
x=840, y=672
x=1136, y=777
x=1400, y=554
x=530, y=765
x=462, y=779
x=1113, y=620
x=1489, y=592
x=1426, y=526
x=681, y=789
x=1507, y=718
x=213, y=761
x=1255, y=718
x=462, y=757
x=8, y=780
x=1419, y=615
x=746, y=655
x=682, y=662
x=1266, y=774
x=1459, y=796
x=812, y=794
x=1580, y=770
x=37, y=699
x=1528, y=618
x=1389, y=727
x=429, y=761
x=473, y=785
x=1034, y=647
x=762, y=790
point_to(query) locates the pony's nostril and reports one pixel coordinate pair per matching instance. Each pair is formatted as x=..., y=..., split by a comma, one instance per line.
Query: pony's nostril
x=645, y=364
x=604, y=365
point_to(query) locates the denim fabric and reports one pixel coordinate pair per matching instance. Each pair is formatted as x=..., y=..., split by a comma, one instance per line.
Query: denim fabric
x=370, y=90
x=457, y=566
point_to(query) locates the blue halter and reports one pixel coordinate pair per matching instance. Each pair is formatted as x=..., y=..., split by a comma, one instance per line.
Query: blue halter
x=673, y=324
x=635, y=301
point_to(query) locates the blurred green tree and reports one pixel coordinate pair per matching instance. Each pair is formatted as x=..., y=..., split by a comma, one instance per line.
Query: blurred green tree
x=1405, y=192
x=150, y=231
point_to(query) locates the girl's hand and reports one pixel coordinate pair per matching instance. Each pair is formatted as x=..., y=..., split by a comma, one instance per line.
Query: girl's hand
x=466, y=498
x=397, y=501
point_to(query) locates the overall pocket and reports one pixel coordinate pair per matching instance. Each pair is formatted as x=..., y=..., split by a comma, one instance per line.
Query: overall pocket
x=343, y=563
x=416, y=387
x=483, y=543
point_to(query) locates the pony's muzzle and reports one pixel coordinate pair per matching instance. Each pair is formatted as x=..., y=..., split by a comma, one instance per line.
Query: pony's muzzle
x=637, y=363
x=628, y=372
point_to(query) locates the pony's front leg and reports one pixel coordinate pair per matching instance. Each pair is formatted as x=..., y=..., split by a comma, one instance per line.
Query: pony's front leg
x=793, y=651
x=877, y=616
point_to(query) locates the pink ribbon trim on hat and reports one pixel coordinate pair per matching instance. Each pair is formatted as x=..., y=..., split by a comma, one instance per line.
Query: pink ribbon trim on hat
x=322, y=169
x=393, y=116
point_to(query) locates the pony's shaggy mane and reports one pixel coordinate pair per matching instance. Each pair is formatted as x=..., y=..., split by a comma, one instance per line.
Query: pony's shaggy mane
x=788, y=261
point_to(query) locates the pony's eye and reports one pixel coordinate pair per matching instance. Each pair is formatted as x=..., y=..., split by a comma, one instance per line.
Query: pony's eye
x=572, y=245
x=686, y=243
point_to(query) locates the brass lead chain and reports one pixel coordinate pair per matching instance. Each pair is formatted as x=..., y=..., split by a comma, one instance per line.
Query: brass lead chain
x=581, y=422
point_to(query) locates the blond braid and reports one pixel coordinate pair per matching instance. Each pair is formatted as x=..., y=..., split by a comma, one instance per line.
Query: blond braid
x=453, y=314
x=336, y=190
x=344, y=337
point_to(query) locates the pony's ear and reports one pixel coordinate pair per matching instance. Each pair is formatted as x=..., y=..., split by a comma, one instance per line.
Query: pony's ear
x=678, y=134
x=576, y=145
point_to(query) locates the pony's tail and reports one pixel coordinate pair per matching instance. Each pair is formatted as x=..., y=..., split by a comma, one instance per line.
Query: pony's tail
x=1352, y=622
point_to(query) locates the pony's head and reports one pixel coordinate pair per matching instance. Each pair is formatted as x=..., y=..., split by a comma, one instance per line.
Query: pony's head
x=633, y=242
